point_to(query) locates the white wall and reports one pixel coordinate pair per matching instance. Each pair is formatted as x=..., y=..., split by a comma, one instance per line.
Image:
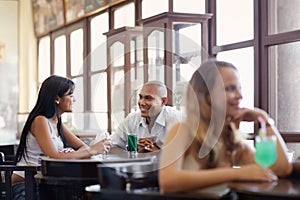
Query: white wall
x=27, y=58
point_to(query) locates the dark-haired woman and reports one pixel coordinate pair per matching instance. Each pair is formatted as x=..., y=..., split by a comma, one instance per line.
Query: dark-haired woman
x=44, y=133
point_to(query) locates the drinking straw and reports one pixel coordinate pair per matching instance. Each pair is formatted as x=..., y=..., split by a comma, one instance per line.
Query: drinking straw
x=262, y=131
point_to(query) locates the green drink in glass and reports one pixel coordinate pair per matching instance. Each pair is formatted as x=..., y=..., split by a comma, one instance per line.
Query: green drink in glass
x=132, y=146
x=266, y=152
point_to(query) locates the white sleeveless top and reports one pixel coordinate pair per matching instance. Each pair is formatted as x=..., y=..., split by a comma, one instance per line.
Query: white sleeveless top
x=34, y=150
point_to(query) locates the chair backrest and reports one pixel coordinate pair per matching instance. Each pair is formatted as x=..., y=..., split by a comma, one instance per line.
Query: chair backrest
x=2, y=157
x=7, y=167
x=8, y=149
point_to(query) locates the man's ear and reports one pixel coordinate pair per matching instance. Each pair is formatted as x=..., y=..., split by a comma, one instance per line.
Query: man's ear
x=164, y=101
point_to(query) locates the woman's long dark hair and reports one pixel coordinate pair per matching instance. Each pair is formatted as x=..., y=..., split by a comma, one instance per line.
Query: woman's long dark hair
x=53, y=87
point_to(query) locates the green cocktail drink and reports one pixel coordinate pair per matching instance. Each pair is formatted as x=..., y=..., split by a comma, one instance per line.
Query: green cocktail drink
x=266, y=152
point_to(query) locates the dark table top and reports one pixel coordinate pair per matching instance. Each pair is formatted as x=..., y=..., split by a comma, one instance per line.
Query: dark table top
x=94, y=192
x=285, y=188
x=288, y=188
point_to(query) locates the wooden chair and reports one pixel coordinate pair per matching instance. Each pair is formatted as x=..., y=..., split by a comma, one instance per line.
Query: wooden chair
x=6, y=168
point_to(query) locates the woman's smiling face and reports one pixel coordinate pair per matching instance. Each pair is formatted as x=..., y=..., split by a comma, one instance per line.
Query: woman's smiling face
x=66, y=103
x=232, y=89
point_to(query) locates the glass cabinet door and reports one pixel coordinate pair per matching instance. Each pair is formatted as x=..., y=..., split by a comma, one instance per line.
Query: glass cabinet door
x=187, y=48
x=136, y=70
x=125, y=72
x=156, y=55
x=175, y=45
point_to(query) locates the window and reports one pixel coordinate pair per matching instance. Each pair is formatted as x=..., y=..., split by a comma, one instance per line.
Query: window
x=76, y=49
x=44, y=58
x=234, y=23
x=98, y=77
x=285, y=65
x=156, y=56
x=283, y=16
x=98, y=53
x=242, y=59
x=124, y=16
x=60, y=56
x=266, y=58
x=153, y=7
x=189, y=6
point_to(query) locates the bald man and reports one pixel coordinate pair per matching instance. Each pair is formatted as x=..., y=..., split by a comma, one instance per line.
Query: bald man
x=151, y=121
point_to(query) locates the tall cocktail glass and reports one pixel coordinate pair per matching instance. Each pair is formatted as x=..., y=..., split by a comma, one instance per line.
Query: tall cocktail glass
x=266, y=151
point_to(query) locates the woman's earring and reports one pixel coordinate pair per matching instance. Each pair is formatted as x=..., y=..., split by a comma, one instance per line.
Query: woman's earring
x=57, y=102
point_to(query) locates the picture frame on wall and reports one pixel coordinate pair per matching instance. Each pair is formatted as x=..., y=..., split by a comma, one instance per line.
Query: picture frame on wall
x=52, y=14
x=92, y=5
x=47, y=15
x=74, y=9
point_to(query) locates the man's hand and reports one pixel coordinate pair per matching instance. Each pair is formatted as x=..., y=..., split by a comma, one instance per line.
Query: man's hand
x=147, y=145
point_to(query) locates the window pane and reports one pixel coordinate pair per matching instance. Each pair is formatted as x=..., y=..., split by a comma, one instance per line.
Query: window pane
x=99, y=101
x=234, y=21
x=99, y=92
x=78, y=95
x=85, y=123
x=187, y=51
x=99, y=25
x=125, y=16
x=137, y=70
x=117, y=73
x=285, y=65
x=189, y=6
x=44, y=58
x=243, y=61
x=283, y=16
x=76, y=43
x=155, y=47
x=60, y=56
x=154, y=7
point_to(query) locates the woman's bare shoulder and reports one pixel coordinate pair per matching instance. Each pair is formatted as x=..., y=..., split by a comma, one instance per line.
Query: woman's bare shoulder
x=179, y=131
x=179, y=127
x=39, y=119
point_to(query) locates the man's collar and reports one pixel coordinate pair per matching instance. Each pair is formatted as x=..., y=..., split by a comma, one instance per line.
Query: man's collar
x=160, y=119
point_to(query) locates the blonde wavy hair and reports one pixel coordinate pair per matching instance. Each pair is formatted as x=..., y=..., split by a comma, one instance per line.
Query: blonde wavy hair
x=206, y=123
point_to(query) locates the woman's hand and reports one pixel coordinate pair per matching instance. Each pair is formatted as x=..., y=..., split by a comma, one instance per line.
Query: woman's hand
x=248, y=115
x=254, y=172
x=101, y=146
x=66, y=150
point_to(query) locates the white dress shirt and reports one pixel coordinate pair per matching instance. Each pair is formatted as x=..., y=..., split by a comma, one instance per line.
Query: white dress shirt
x=135, y=123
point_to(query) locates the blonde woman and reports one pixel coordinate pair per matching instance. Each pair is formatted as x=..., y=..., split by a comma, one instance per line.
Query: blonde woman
x=202, y=151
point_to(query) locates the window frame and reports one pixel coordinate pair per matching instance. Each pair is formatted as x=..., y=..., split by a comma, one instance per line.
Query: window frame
x=260, y=43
